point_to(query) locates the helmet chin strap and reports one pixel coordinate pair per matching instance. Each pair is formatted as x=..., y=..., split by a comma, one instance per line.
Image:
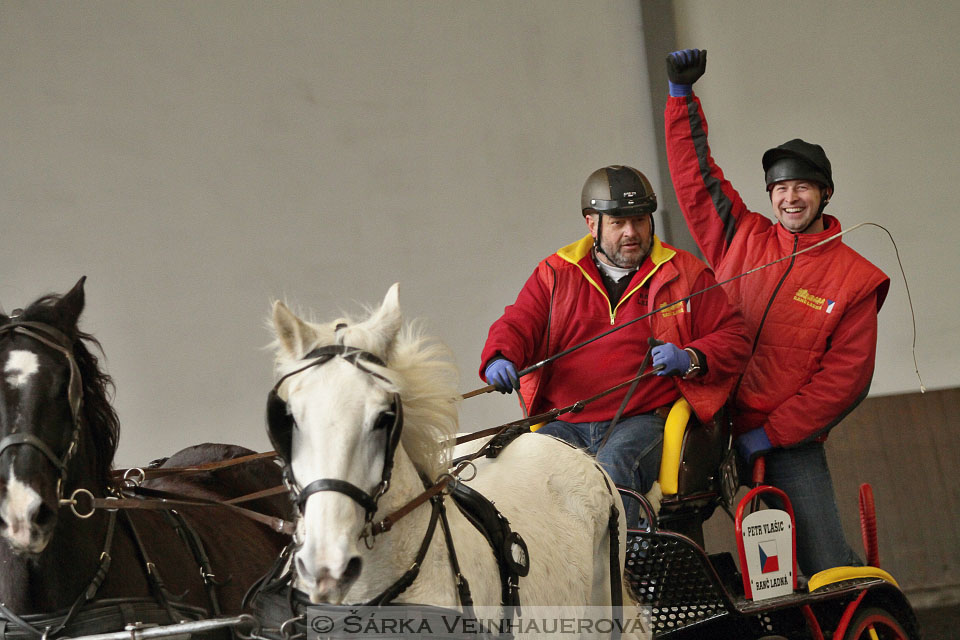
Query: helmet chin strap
x=596, y=241
x=823, y=205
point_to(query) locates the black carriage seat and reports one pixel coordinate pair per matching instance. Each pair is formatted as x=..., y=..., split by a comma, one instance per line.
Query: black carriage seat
x=697, y=469
x=692, y=452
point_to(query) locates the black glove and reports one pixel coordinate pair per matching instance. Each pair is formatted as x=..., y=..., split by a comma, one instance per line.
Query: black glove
x=684, y=68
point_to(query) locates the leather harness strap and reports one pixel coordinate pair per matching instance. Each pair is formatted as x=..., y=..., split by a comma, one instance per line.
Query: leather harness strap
x=189, y=535
x=165, y=501
x=162, y=472
x=576, y=407
x=256, y=495
x=85, y=596
x=401, y=585
x=358, y=495
x=160, y=591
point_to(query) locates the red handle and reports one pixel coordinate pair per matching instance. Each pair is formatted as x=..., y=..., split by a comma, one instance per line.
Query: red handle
x=868, y=525
x=759, y=470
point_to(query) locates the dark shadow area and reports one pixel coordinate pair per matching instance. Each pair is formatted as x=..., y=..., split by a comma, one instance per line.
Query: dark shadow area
x=942, y=623
x=660, y=38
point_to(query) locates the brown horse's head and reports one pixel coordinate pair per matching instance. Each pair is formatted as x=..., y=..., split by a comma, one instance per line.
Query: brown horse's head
x=51, y=389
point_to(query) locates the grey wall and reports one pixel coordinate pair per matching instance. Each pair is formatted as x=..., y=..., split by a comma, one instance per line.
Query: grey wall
x=198, y=159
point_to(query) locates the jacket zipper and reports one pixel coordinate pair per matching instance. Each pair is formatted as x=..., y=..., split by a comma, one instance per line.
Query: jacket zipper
x=613, y=310
x=763, y=318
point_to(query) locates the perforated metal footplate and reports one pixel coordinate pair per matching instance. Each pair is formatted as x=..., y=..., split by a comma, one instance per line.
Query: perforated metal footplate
x=672, y=576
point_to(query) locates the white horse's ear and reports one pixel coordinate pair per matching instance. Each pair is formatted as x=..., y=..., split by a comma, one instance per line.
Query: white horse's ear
x=386, y=320
x=293, y=334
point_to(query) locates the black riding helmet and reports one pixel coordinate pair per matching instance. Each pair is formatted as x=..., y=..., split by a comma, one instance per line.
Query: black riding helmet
x=618, y=191
x=799, y=160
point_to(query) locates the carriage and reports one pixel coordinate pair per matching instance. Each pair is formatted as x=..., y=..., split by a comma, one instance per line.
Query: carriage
x=363, y=417
x=693, y=594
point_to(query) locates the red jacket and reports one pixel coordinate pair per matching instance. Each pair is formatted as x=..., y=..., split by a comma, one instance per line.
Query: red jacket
x=564, y=303
x=812, y=318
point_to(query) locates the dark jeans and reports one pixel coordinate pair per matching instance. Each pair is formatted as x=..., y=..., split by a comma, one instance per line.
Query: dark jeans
x=802, y=473
x=631, y=456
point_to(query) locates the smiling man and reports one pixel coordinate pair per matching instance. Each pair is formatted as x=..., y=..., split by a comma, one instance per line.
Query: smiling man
x=812, y=319
x=610, y=277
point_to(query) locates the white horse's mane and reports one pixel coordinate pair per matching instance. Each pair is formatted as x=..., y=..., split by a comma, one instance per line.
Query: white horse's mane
x=421, y=369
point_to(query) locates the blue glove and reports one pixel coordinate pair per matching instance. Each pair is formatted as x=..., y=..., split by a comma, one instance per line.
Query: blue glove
x=684, y=68
x=503, y=375
x=752, y=444
x=675, y=360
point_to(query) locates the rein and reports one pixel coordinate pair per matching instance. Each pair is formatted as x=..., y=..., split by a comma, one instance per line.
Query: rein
x=141, y=474
x=440, y=485
x=83, y=504
x=529, y=421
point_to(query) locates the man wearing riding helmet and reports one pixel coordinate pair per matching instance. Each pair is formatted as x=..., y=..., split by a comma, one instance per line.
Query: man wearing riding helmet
x=614, y=274
x=812, y=318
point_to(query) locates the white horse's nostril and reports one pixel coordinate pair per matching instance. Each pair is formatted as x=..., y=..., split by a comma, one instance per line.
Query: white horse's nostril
x=352, y=572
x=303, y=568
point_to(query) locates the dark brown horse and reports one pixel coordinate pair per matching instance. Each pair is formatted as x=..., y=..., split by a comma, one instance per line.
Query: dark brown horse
x=58, y=433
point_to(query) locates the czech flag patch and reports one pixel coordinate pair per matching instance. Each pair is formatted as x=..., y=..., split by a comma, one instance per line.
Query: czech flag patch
x=768, y=557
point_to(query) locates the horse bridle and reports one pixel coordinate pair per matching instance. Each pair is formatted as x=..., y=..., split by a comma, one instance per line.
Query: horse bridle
x=58, y=341
x=280, y=425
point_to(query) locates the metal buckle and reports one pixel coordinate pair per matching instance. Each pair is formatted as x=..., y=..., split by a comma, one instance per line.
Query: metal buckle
x=73, y=503
x=463, y=465
x=134, y=477
x=367, y=535
x=285, y=628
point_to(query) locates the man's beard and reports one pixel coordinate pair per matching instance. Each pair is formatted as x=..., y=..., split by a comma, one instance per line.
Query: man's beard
x=624, y=262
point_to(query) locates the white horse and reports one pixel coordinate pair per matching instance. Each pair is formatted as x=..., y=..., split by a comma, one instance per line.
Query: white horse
x=556, y=497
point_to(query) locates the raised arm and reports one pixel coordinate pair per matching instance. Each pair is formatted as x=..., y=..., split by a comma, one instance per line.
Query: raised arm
x=711, y=206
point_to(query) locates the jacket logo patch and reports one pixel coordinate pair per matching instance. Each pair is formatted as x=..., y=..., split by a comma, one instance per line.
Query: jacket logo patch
x=667, y=311
x=814, y=301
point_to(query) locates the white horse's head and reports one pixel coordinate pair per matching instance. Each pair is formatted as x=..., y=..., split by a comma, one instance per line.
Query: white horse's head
x=343, y=409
